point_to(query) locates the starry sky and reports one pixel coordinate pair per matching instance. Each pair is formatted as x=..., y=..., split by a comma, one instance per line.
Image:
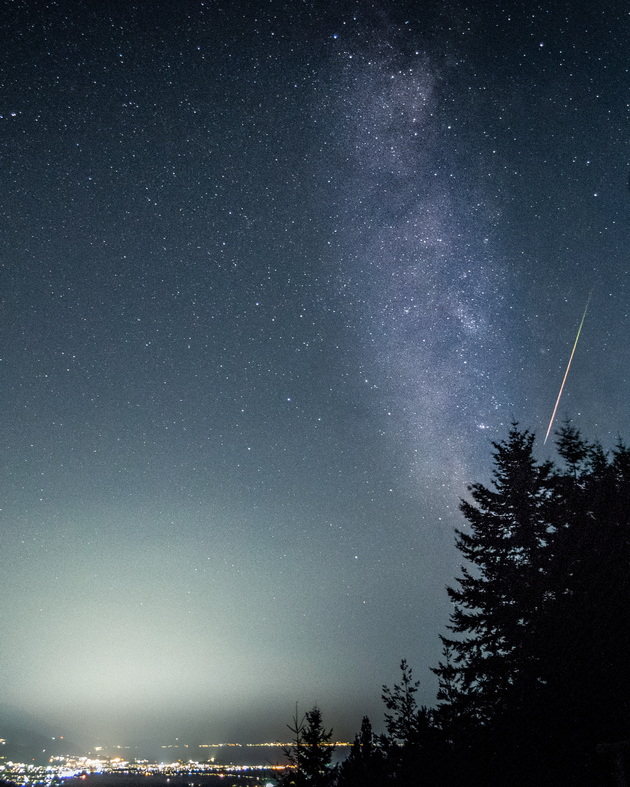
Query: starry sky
x=273, y=277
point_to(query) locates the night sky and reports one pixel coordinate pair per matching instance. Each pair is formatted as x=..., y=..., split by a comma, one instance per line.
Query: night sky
x=273, y=277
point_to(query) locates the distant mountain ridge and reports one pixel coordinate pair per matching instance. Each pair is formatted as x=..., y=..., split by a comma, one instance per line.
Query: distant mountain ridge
x=27, y=739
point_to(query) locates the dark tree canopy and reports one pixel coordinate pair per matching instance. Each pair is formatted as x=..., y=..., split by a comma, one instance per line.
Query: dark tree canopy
x=536, y=670
x=501, y=588
x=366, y=764
x=534, y=685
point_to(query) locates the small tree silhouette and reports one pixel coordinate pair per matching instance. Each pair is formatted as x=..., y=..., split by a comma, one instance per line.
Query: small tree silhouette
x=310, y=753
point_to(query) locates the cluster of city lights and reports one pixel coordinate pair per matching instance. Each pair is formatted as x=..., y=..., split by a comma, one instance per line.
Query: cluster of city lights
x=61, y=768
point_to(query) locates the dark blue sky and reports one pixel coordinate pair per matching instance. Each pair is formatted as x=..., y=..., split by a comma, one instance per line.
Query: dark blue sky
x=273, y=278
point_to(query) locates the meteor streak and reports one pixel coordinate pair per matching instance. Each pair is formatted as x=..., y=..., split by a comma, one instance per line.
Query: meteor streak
x=566, y=374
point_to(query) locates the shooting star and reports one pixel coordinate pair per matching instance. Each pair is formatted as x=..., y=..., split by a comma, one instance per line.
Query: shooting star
x=566, y=374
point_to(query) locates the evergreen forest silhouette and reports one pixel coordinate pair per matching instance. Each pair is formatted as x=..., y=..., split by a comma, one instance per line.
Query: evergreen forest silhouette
x=533, y=682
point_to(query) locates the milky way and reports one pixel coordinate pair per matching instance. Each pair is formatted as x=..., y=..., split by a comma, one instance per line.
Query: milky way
x=419, y=262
